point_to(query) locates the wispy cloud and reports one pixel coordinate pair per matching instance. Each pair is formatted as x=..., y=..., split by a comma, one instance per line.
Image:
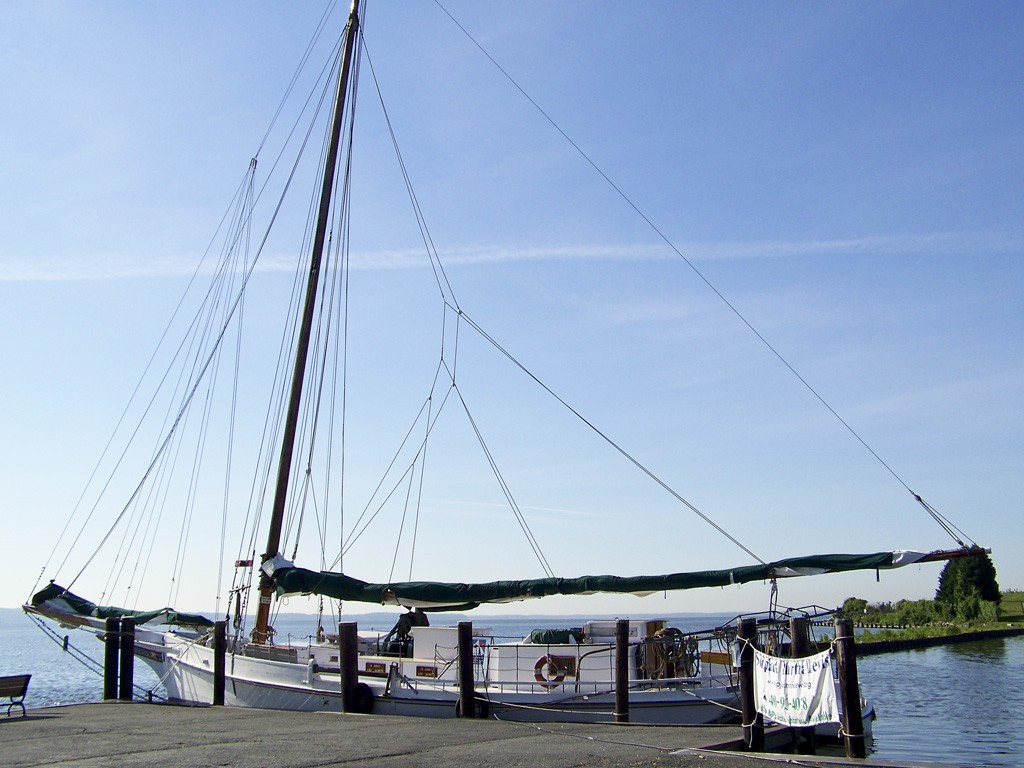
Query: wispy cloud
x=14, y=270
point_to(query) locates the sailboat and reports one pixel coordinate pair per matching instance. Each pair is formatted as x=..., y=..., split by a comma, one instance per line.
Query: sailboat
x=412, y=669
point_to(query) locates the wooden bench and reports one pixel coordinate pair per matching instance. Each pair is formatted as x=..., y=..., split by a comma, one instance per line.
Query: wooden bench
x=14, y=687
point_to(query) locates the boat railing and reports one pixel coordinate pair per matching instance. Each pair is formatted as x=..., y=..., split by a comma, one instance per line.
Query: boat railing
x=668, y=659
x=672, y=659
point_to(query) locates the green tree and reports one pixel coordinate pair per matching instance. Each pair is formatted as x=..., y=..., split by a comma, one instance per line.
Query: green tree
x=967, y=578
x=916, y=613
x=853, y=607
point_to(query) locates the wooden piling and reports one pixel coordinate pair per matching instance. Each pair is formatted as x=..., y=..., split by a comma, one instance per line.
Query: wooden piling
x=126, y=691
x=467, y=690
x=622, y=671
x=220, y=648
x=111, y=653
x=799, y=647
x=753, y=722
x=348, y=660
x=849, y=689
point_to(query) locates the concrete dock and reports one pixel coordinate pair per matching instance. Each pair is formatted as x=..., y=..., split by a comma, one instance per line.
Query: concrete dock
x=134, y=734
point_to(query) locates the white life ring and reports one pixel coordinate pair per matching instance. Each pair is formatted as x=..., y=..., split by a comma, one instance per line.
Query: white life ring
x=548, y=672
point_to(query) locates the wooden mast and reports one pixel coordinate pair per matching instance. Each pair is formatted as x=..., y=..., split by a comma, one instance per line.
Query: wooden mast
x=302, y=348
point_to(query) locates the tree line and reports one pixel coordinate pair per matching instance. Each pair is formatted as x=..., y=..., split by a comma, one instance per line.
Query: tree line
x=968, y=593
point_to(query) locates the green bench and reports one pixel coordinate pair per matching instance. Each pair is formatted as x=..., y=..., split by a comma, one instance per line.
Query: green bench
x=14, y=687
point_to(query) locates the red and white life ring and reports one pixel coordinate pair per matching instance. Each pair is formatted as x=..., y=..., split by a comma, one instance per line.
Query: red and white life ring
x=548, y=672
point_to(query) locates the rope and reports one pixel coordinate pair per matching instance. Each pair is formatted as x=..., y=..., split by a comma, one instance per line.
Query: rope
x=441, y=278
x=693, y=267
x=635, y=462
x=584, y=737
x=786, y=759
x=85, y=659
x=531, y=539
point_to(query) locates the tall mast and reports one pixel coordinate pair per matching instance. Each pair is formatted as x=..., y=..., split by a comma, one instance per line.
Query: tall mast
x=302, y=348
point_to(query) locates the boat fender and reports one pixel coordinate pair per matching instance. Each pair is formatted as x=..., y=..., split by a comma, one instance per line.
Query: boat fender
x=548, y=672
x=364, y=699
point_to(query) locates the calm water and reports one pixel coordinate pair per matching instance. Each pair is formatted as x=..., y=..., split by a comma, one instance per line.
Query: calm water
x=957, y=703
x=960, y=704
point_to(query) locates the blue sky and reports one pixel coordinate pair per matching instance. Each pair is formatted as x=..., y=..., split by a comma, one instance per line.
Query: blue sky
x=847, y=175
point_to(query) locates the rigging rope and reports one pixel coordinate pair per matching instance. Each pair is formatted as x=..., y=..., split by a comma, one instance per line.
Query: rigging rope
x=448, y=296
x=200, y=375
x=443, y=285
x=608, y=440
x=943, y=523
x=534, y=544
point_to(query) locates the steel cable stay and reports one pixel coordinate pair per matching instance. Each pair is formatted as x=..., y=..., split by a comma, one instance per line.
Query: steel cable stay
x=419, y=495
x=943, y=522
x=636, y=462
x=310, y=46
x=410, y=480
x=200, y=375
x=450, y=301
x=246, y=230
x=200, y=372
x=416, y=468
x=203, y=310
x=200, y=369
x=448, y=296
x=328, y=318
x=353, y=536
x=156, y=500
x=204, y=425
x=339, y=362
x=190, y=497
x=275, y=407
x=520, y=518
x=135, y=392
x=443, y=284
x=422, y=464
x=143, y=508
x=191, y=330
x=303, y=475
x=217, y=297
x=362, y=523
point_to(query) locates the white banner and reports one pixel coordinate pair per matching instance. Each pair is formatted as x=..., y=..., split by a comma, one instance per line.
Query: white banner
x=796, y=692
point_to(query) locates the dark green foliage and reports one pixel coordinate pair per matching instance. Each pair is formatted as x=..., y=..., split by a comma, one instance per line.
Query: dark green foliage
x=967, y=579
x=916, y=613
x=929, y=618
x=853, y=608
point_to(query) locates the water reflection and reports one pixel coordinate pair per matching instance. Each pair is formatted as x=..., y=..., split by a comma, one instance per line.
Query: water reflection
x=981, y=652
x=960, y=704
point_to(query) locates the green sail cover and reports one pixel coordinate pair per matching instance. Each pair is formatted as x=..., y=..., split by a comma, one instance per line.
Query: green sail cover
x=457, y=596
x=57, y=599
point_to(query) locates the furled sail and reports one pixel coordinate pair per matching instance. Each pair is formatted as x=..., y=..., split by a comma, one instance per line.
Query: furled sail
x=458, y=596
x=57, y=602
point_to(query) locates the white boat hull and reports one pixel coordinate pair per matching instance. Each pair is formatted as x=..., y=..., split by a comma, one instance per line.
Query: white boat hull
x=186, y=670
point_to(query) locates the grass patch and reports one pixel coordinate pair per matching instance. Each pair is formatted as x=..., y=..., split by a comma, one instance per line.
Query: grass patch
x=1011, y=607
x=923, y=618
